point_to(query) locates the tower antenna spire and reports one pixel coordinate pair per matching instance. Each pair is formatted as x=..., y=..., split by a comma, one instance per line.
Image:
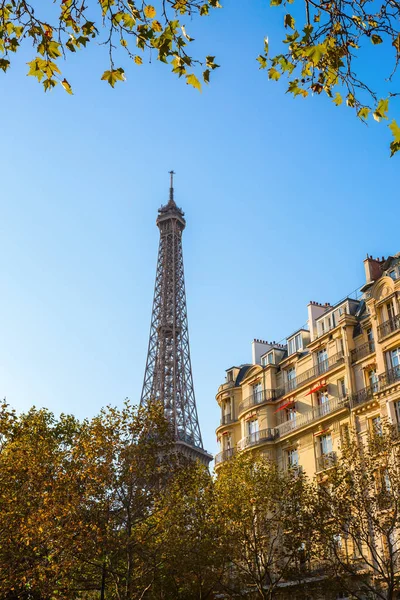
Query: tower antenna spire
x=171, y=186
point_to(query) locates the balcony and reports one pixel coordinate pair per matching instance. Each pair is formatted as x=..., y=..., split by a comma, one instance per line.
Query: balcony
x=224, y=455
x=259, y=398
x=316, y=413
x=316, y=371
x=388, y=378
x=258, y=437
x=326, y=461
x=227, y=419
x=362, y=351
x=364, y=395
x=388, y=327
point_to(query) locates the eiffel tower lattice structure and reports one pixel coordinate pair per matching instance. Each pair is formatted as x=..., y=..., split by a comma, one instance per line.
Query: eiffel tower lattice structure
x=168, y=376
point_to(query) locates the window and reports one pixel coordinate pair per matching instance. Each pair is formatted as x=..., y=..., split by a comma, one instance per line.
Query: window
x=376, y=425
x=257, y=392
x=291, y=378
x=392, y=274
x=295, y=344
x=322, y=360
x=373, y=380
x=227, y=442
x=370, y=335
x=252, y=427
x=292, y=458
x=325, y=444
x=323, y=402
x=397, y=410
x=268, y=359
x=230, y=376
x=395, y=358
x=390, y=311
x=291, y=414
x=341, y=388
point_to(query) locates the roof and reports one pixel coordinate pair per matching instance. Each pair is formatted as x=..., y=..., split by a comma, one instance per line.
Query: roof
x=242, y=373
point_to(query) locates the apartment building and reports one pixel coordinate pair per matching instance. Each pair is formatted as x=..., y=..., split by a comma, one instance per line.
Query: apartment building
x=296, y=401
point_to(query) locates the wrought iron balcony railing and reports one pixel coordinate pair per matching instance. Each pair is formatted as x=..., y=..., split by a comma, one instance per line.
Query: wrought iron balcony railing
x=388, y=327
x=315, y=413
x=326, y=461
x=316, y=371
x=362, y=351
x=364, y=395
x=226, y=419
x=259, y=398
x=258, y=437
x=389, y=377
x=224, y=455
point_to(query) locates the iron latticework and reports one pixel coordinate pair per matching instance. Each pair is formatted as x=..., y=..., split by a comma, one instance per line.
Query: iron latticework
x=168, y=375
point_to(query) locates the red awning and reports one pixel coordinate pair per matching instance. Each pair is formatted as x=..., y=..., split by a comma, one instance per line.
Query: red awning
x=318, y=433
x=290, y=403
x=316, y=389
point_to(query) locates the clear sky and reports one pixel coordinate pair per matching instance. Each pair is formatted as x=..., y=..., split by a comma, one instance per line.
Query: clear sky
x=283, y=199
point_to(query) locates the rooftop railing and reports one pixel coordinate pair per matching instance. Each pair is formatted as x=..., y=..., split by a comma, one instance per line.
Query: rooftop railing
x=314, y=414
x=362, y=351
x=316, y=371
x=224, y=455
x=388, y=327
x=259, y=398
x=258, y=437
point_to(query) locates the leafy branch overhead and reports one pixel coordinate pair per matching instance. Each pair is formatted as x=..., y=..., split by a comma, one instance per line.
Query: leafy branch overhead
x=133, y=27
x=320, y=51
x=320, y=54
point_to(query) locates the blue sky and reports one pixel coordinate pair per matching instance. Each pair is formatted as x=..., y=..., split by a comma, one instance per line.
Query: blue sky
x=283, y=199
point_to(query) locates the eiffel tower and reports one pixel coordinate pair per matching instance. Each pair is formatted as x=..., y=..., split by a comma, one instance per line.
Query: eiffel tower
x=168, y=375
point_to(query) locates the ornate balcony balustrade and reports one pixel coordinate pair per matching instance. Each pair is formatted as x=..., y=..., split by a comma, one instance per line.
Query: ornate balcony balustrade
x=388, y=327
x=259, y=398
x=316, y=371
x=258, y=437
x=314, y=414
x=389, y=377
x=364, y=395
x=224, y=455
x=362, y=351
x=326, y=461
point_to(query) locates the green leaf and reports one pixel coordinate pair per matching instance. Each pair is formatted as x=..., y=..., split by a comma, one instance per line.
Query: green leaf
x=376, y=39
x=192, y=80
x=289, y=21
x=113, y=76
x=315, y=53
x=273, y=74
x=381, y=110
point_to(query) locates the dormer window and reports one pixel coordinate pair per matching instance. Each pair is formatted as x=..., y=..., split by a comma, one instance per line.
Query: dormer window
x=295, y=344
x=268, y=359
x=229, y=376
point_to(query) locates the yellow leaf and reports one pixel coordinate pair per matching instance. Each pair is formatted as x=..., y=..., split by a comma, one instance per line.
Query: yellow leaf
x=150, y=11
x=68, y=89
x=192, y=80
x=138, y=60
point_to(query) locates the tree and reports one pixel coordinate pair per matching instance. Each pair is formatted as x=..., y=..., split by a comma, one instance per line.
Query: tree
x=264, y=513
x=319, y=54
x=191, y=559
x=39, y=505
x=358, y=517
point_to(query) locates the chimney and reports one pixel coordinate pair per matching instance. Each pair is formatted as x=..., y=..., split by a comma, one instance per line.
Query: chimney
x=373, y=268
